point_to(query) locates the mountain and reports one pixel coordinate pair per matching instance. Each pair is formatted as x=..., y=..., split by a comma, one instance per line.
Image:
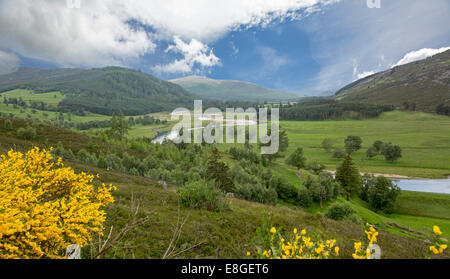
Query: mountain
x=231, y=90
x=103, y=90
x=420, y=85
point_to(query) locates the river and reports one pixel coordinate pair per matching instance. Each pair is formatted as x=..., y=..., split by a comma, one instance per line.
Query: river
x=441, y=186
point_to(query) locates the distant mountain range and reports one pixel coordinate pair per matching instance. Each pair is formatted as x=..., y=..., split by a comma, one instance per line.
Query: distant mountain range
x=231, y=90
x=103, y=91
x=420, y=85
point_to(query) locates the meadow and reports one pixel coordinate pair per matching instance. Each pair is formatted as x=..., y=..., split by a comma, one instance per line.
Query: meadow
x=424, y=139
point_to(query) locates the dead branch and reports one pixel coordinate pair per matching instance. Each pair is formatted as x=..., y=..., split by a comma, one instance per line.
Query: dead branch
x=134, y=221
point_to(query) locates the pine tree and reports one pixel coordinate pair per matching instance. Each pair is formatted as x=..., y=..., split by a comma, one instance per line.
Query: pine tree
x=219, y=172
x=348, y=175
x=119, y=126
x=297, y=159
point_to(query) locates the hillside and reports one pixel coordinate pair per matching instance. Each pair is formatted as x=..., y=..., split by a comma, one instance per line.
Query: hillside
x=423, y=84
x=226, y=234
x=231, y=90
x=102, y=91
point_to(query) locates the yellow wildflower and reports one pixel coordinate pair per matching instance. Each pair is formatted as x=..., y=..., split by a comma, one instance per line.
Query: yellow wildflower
x=437, y=230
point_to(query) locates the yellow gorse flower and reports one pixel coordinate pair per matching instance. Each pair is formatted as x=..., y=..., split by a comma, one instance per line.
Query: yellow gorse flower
x=439, y=244
x=437, y=230
x=45, y=207
x=364, y=252
x=296, y=246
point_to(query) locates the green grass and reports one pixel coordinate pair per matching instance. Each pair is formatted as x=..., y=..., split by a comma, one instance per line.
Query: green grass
x=424, y=204
x=50, y=98
x=383, y=221
x=424, y=138
x=225, y=234
x=149, y=131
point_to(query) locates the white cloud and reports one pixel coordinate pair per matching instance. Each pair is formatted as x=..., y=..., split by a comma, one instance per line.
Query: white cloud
x=8, y=62
x=419, y=55
x=99, y=32
x=376, y=38
x=90, y=36
x=357, y=75
x=272, y=60
x=194, y=54
x=364, y=74
x=208, y=20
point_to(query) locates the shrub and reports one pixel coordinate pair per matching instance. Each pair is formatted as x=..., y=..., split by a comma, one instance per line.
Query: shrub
x=86, y=157
x=304, y=198
x=371, y=152
x=377, y=145
x=285, y=190
x=294, y=245
x=257, y=192
x=315, y=167
x=46, y=207
x=296, y=159
x=202, y=195
x=8, y=125
x=391, y=152
x=244, y=153
x=65, y=154
x=327, y=144
x=340, y=211
x=27, y=133
x=382, y=194
x=339, y=153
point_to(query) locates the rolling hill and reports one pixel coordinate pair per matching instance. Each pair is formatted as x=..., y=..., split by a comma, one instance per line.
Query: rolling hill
x=423, y=84
x=103, y=91
x=231, y=90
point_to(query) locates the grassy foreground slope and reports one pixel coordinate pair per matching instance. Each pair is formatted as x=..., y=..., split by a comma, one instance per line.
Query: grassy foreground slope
x=424, y=139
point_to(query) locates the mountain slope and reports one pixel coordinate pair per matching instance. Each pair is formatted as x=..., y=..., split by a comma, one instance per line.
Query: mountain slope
x=423, y=84
x=103, y=91
x=231, y=90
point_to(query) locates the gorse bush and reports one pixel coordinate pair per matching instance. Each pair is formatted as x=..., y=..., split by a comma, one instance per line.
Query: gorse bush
x=202, y=195
x=45, y=207
x=439, y=245
x=295, y=245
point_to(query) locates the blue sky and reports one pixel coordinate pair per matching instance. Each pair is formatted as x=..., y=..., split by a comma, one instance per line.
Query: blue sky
x=308, y=47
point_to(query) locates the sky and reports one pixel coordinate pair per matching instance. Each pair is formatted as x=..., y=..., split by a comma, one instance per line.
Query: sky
x=309, y=47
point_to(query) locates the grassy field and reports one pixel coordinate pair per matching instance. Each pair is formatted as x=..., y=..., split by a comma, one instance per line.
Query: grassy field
x=424, y=139
x=50, y=98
